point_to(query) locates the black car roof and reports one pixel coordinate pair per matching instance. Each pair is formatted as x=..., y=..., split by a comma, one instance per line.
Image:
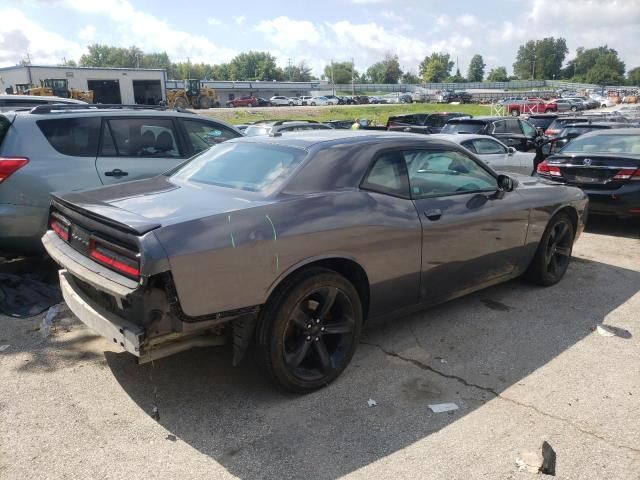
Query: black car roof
x=481, y=119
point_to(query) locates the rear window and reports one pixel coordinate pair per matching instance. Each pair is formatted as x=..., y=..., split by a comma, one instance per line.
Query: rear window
x=542, y=123
x=4, y=127
x=77, y=137
x=629, y=144
x=254, y=167
x=254, y=131
x=462, y=127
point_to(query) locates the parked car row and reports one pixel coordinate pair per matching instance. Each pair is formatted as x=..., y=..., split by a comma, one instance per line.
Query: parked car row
x=275, y=239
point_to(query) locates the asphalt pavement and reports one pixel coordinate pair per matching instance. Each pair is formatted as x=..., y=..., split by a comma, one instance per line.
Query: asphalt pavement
x=523, y=365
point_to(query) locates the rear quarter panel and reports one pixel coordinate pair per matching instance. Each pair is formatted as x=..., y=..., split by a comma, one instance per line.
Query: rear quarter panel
x=232, y=261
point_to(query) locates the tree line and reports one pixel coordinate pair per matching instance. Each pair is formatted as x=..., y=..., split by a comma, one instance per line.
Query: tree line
x=535, y=60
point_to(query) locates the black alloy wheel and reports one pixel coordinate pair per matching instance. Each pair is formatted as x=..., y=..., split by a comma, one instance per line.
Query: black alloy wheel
x=558, y=250
x=554, y=252
x=308, y=332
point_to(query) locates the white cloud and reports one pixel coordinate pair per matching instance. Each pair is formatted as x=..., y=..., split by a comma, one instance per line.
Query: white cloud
x=214, y=21
x=240, y=19
x=467, y=20
x=87, y=33
x=20, y=36
x=368, y=2
x=284, y=31
x=150, y=33
x=391, y=15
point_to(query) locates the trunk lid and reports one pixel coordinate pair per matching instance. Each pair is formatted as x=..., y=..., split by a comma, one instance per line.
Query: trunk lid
x=595, y=170
x=141, y=206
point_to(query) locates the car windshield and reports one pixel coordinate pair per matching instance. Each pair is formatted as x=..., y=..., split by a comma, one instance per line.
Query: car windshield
x=462, y=127
x=255, y=167
x=629, y=144
x=257, y=131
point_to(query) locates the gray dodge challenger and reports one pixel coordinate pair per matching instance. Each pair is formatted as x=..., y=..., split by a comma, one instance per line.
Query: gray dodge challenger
x=290, y=244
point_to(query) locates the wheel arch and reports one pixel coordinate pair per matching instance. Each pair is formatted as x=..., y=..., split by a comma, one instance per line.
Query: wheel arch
x=571, y=212
x=344, y=265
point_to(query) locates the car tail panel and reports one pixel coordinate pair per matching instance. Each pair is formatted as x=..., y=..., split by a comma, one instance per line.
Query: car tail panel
x=591, y=171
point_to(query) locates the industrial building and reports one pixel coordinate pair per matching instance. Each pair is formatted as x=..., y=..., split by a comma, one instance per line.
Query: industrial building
x=109, y=85
x=228, y=90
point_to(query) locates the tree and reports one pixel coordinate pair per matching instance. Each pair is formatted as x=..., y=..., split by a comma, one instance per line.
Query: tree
x=476, y=69
x=457, y=78
x=540, y=59
x=411, y=78
x=341, y=72
x=610, y=69
x=436, y=67
x=298, y=73
x=498, y=74
x=386, y=71
x=255, y=66
x=633, y=76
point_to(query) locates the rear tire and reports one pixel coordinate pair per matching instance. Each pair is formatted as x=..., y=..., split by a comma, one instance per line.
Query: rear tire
x=308, y=331
x=554, y=252
x=204, y=102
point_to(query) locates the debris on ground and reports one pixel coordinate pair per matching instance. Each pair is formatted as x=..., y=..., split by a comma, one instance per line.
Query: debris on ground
x=50, y=318
x=611, y=331
x=543, y=461
x=171, y=438
x=604, y=331
x=3, y=347
x=443, y=407
x=372, y=403
x=155, y=413
x=25, y=295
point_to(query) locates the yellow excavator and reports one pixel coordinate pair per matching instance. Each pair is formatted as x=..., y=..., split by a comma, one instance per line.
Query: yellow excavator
x=57, y=87
x=194, y=95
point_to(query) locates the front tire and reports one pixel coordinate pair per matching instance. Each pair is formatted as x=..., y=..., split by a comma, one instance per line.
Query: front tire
x=309, y=329
x=554, y=252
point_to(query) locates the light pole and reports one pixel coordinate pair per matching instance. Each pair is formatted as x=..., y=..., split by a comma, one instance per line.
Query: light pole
x=353, y=88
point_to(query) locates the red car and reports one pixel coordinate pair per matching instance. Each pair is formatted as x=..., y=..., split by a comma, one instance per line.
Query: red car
x=246, y=101
x=531, y=105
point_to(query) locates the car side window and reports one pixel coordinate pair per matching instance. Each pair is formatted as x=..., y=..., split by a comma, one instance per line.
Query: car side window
x=499, y=127
x=512, y=125
x=528, y=129
x=434, y=173
x=77, y=137
x=486, y=146
x=469, y=146
x=203, y=135
x=388, y=174
x=141, y=137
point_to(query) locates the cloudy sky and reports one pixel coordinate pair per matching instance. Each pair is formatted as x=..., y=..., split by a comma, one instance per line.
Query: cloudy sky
x=214, y=31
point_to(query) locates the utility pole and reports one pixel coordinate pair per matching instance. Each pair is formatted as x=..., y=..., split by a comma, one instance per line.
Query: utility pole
x=353, y=91
x=333, y=85
x=289, y=67
x=533, y=70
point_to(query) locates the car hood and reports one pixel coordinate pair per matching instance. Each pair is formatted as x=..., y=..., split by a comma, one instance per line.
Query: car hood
x=145, y=205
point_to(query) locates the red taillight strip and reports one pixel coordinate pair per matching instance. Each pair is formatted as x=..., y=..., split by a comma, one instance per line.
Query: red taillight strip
x=545, y=169
x=626, y=174
x=9, y=166
x=63, y=233
x=112, y=262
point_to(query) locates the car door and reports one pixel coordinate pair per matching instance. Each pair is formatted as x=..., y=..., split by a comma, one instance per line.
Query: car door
x=132, y=148
x=472, y=234
x=202, y=134
x=497, y=155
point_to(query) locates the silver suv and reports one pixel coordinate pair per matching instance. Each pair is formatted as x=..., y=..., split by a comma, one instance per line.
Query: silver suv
x=54, y=148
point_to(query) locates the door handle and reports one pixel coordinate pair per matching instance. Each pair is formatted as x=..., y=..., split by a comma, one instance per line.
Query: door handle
x=433, y=214
x=116, y=172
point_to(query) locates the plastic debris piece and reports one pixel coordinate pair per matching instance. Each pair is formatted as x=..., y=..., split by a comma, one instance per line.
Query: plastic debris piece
x=372, y=403
x=443, y=407
x=47, y=320
x=171, y=438
x=542, y=461
x=604, y=331
x=3, y=347
x=549, y=459
x=155, y=413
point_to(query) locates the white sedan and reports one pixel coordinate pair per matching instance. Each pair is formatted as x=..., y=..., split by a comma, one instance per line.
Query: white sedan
x=318, y=101
x=279, y=101
x=493, y=152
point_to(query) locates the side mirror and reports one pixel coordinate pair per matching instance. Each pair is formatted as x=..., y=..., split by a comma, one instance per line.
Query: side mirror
x=506, y=183
x=511, y=150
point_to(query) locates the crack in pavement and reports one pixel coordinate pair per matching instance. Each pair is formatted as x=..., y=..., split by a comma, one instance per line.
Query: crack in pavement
x=496, y=394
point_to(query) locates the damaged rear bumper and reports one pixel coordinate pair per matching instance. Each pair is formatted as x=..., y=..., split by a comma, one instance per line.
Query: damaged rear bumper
x=124, y=333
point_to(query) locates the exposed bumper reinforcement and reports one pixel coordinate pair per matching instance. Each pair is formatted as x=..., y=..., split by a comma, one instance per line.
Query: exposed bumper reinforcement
x=122, y=332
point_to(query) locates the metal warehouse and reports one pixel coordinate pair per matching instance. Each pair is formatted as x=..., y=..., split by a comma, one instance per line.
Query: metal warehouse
x=109, y=85
x=228, y=90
